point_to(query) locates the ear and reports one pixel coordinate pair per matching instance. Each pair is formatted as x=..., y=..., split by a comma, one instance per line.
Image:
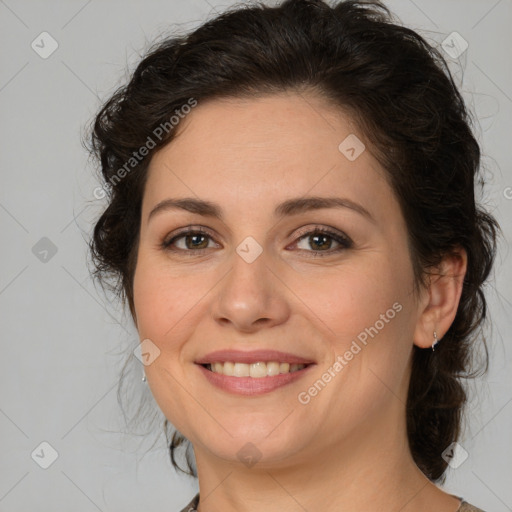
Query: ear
x=440, y=300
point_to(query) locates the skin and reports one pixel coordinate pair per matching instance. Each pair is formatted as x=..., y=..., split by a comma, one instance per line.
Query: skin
x=347, y=448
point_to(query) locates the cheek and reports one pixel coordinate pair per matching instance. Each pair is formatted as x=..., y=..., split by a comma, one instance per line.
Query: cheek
x=369, y=313
x=366, y=313
x=164, y=305
x=347, y=300
x=152, y=300
x=163, y=299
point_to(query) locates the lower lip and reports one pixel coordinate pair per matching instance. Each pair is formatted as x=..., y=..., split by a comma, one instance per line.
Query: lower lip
x=252, y=386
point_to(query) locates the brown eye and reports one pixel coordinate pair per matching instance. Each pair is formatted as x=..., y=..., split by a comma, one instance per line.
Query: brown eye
x=320, y=241
x=195, y=241
x=188, y=241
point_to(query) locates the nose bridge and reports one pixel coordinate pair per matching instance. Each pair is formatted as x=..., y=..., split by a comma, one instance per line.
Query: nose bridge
x=249, y=294
x=249, y=282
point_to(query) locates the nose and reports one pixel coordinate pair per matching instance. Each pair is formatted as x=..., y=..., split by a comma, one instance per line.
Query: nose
x=251, y=296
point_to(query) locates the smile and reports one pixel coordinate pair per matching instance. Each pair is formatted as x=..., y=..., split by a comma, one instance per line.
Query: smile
x=252, y=379
x=256, y=370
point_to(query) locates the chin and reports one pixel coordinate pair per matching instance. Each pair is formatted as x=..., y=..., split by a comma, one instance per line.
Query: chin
x=266, y=445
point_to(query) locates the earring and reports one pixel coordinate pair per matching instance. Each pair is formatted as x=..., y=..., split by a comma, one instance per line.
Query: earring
x=436, y=341
x=144, y=376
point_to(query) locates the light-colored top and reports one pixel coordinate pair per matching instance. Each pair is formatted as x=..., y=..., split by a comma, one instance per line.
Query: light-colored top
x=464, y=505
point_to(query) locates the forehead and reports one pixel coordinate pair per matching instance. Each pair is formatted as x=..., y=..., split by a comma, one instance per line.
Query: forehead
x=264, y=149
x=273, y=127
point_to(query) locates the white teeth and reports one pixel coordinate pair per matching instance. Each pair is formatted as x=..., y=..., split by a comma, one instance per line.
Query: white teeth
x=254, y=370
x=284, y=367
x=273, y=368
x=226, y=368
x=241, y=370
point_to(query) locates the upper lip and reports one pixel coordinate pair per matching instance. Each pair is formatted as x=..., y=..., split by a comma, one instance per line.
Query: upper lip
x=253, y=356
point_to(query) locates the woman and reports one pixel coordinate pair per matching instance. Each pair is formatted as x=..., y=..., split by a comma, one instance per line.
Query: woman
x=292, y=222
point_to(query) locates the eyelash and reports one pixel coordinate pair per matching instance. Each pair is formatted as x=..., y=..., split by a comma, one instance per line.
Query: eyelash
x=343, y=241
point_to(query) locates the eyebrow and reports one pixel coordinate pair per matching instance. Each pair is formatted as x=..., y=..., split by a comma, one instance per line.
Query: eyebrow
x=285, y=209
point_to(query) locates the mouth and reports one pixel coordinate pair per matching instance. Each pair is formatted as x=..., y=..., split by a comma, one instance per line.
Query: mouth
x=257, y=370
x=252, y=373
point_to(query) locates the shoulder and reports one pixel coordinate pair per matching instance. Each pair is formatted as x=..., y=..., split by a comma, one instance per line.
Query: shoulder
x=467, y=507
x=191, y=507
x=464, y=507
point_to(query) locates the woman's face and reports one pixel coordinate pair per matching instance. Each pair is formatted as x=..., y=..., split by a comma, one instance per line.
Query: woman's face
x=261, y=277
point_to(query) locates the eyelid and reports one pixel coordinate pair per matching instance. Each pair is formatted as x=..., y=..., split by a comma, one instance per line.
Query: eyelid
x=344, y=241
x=186, y=230
x=301, y=232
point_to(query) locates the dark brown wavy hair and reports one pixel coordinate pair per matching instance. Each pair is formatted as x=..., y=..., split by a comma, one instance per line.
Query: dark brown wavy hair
x=399, y=91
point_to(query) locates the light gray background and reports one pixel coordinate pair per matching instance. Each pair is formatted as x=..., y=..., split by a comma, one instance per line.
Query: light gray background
x=62, y=340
